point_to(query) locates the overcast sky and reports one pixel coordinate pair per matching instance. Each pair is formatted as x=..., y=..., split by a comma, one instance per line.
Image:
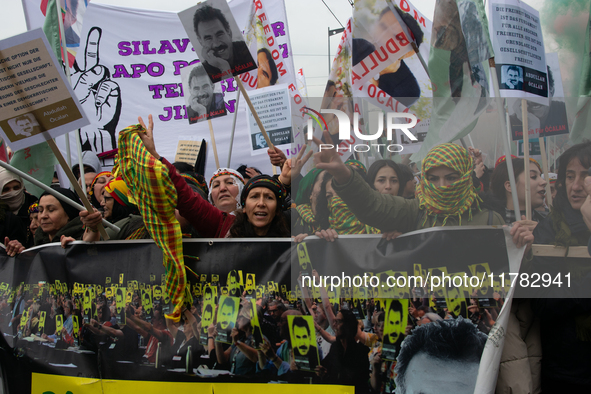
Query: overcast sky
x=308, y=20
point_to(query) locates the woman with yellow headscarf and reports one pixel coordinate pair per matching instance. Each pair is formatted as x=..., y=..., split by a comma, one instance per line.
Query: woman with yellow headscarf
x=445, y=195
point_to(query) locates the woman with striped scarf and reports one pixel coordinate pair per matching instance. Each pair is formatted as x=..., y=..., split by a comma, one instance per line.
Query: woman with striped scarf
x=445, y=195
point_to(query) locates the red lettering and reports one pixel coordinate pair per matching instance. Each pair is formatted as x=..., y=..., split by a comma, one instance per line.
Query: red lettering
x=371, y=90
x=355, y=77
x=275, y=54
x=404, y=6
x=364, y=68
x=391, y=46
x=420, y=19
x=27, y=153
x=271, y=42
x=373, y=59
x=258, y=5
x=402, y=40
x=380, y=95
x=380, y=58
x=389, y=103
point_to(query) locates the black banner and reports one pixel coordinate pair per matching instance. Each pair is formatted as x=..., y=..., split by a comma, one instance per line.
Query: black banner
x=45, y=276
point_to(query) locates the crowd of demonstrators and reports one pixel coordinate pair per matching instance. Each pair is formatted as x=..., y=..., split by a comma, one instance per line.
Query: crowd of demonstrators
x=334, y=198
x=388, y=177
x=500, y=196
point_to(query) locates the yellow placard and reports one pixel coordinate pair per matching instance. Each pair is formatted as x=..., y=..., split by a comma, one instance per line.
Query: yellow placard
x=59, y=324
x=147, y=300
x=42, y=383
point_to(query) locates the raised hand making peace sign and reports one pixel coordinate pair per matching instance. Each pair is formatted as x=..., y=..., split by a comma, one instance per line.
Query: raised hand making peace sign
x=99, y=96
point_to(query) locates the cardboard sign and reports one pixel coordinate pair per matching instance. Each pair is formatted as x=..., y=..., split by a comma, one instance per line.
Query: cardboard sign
x=187, y=152
x=34, y=97
x=226, y=317
x=273, y=106
x=218, y=43
x=250, y=286
x=207, y=314
x=234, y=283
x=303, y=339
x=394, y=325
x=519, y=50
x=203, y=99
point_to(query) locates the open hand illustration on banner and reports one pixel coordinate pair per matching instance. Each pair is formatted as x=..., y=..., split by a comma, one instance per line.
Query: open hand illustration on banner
x=99, y=96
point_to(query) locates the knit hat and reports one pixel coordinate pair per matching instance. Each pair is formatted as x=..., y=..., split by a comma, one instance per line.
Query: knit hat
x=96, y=178
x=34, y=208
x=195, y=180
x=119, y=191
x=70, y=210
x=306, y=186
x=238, y=180
x=502, y=159
x=452, y=200
x=270, y=183
x=356, y=164
x=93, y=198
x=553, y=177
x=14, y=199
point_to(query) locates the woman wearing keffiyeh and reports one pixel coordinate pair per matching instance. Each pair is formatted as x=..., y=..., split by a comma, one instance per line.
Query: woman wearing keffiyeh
x=446, y=188
x=445, y=195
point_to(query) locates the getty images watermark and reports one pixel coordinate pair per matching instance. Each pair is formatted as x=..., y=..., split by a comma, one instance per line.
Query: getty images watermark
x=349, y=142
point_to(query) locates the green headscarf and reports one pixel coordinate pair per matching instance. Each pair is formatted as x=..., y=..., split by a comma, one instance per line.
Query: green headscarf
x=306, y=186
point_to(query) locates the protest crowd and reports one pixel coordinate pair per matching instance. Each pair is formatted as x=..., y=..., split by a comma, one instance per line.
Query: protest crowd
x=335, y=198
x=209, y=326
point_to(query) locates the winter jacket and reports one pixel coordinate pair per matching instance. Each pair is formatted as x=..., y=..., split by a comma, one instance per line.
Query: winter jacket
x=393, y=213
x=72, y=229
x=208, y=220
x=565, y=323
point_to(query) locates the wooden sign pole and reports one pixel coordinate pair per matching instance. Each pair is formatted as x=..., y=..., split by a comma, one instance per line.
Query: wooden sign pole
x=545, y=170
x=525, y=127
x=215, y=149
x=74, y=182
x=256, y=116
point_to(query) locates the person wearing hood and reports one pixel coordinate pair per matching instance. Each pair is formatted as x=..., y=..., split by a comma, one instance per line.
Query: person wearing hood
x=16, y=198
x=91, y=163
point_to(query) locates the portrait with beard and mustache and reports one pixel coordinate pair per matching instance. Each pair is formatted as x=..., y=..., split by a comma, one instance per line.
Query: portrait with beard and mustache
x=303, y=342
x=201, y=100
x=217, y=39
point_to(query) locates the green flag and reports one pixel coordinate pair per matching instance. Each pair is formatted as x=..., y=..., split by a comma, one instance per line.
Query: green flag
x=51, y=28
x=458, y=67
x=38, y=161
